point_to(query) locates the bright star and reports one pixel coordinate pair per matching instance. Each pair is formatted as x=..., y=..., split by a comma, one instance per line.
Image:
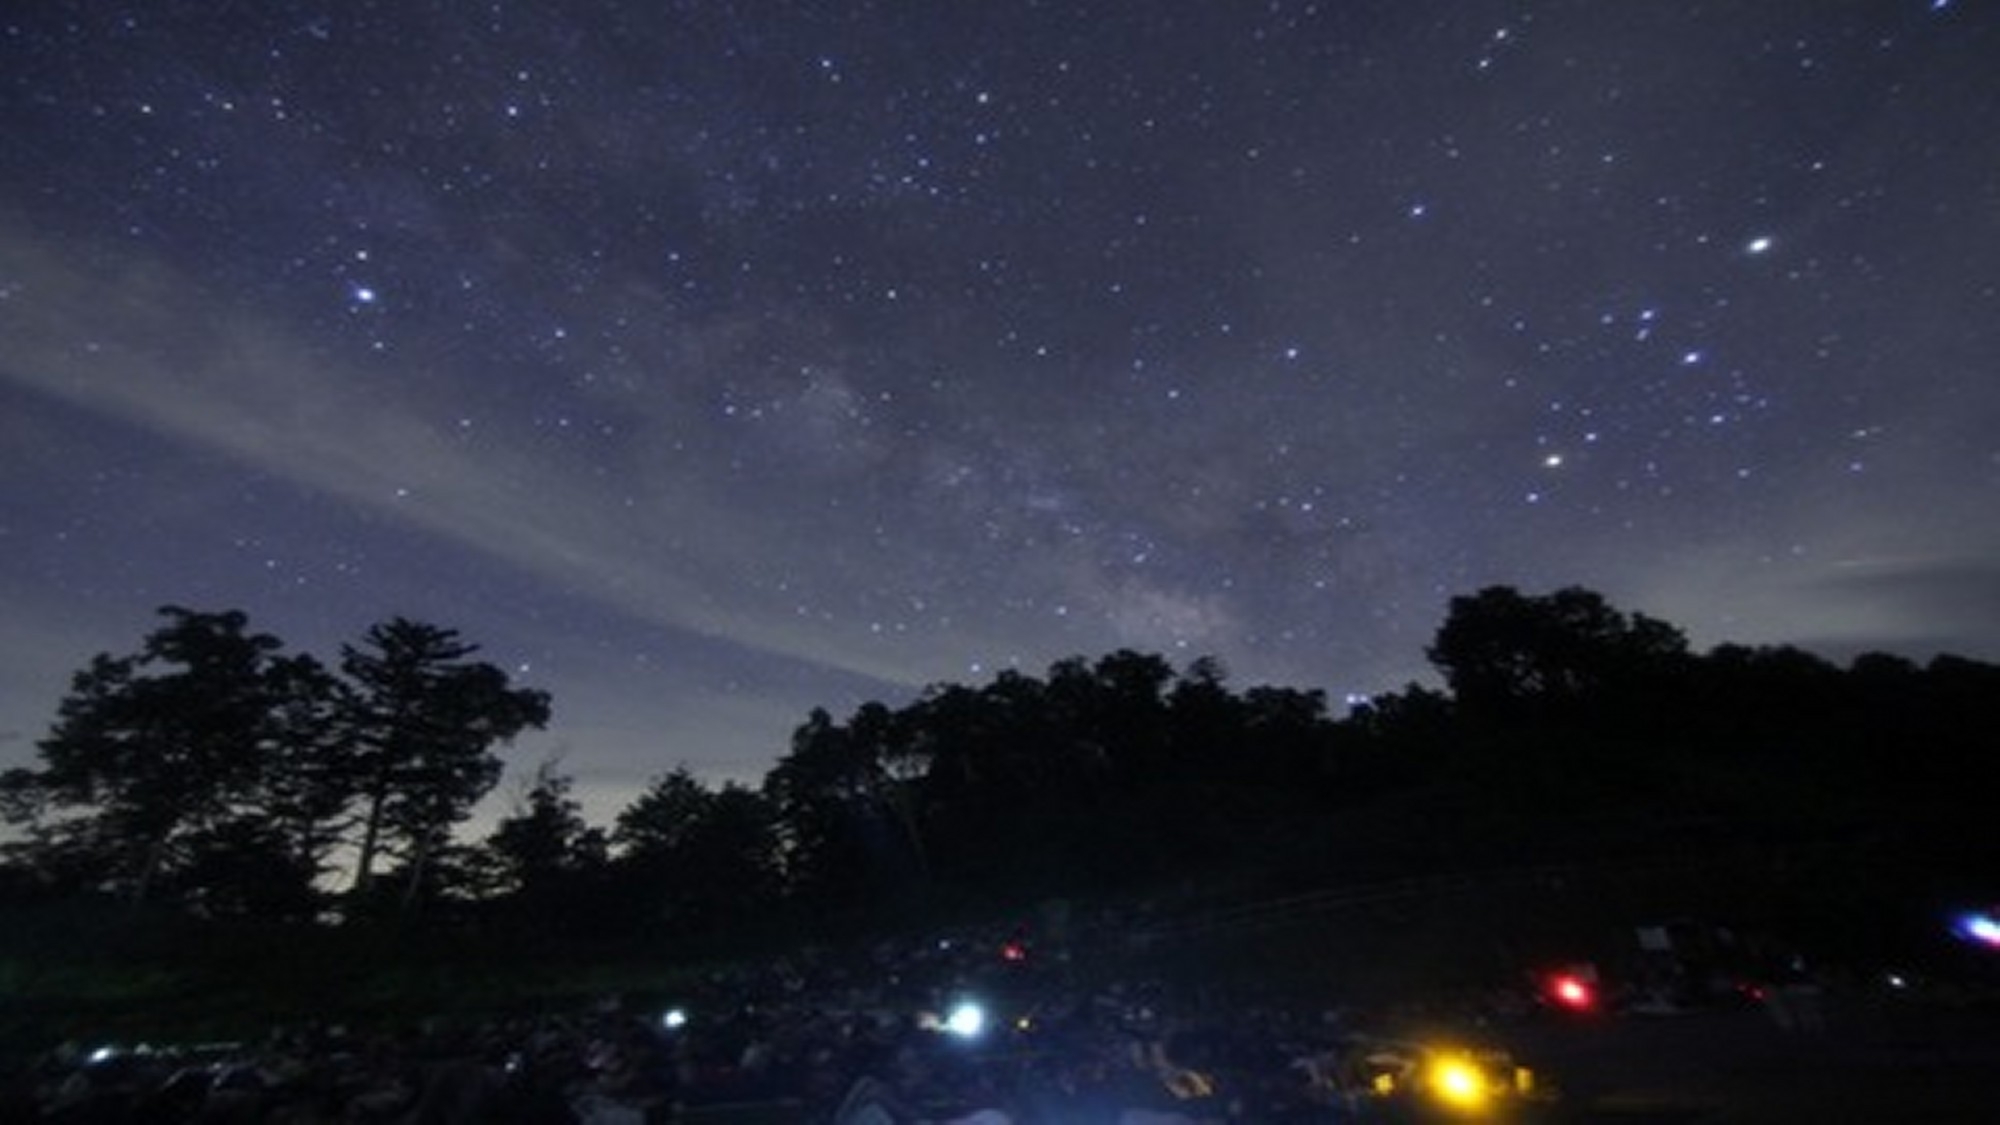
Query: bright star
x=1758, y=245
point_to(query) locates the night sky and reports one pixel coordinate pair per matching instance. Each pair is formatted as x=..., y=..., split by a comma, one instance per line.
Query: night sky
x=709, y=362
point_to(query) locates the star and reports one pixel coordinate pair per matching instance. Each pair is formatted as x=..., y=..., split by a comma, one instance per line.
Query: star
x=610, y=329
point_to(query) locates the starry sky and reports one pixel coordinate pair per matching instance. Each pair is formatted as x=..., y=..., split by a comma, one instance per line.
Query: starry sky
x=707, y=362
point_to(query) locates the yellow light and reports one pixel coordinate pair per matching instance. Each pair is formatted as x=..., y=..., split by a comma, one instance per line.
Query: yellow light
x=1459, y=1083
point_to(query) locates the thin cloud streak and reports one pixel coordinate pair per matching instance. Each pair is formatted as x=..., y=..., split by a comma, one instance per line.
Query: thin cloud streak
x=258, y=397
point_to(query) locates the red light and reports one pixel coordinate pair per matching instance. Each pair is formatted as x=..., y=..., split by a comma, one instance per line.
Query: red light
x=1014, y=951
x=1572, y=992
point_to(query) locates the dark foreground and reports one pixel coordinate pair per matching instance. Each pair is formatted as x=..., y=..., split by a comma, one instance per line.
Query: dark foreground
x=1853, y=1055
x=1876, y=1059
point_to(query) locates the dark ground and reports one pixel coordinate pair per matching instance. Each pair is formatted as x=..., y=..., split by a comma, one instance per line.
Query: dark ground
x=1876, y=1060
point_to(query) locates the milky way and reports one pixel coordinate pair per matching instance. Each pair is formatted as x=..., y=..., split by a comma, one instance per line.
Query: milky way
x=707, y=363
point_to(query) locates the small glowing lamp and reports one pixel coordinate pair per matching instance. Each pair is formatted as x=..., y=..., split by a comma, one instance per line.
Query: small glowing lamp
x=1459, y=1083
x=1981, y=927
x=1572, y=991
x=966, y=1020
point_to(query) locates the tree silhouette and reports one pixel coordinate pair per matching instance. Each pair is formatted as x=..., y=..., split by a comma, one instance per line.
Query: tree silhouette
x=211, y=771
x=544, y=843
x=694, y=861
x=658, y=824
x=1509, y=655
x=424, y=720
x=840, y=834
x=206, y=764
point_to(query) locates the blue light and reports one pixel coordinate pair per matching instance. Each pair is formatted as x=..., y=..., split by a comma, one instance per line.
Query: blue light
x=1980, y=927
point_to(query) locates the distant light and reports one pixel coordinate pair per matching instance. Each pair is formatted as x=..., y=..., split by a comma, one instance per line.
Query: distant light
x=1759, y=245
x=1980, y=927
x=966, y=1021
x=1459, y=1083
x=1573, y=990
x=673, y=1018
x=103, y=1054
x=365, y=294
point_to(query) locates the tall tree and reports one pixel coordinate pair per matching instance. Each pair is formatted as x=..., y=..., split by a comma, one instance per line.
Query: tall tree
x=658, y=823
x=544, y=845
x=307, y=797
x=843, y=839
x=424, y=721
x=205, y=763
x=699, y=860
x=726, y=879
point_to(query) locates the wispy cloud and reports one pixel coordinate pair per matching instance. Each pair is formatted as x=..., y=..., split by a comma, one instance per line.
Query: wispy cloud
x=133, y=341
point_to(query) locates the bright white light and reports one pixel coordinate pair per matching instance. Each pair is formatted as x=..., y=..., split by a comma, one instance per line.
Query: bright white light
x=1758, y=245
x=1982, y=928
x=673, y=1018
x=966, y=1021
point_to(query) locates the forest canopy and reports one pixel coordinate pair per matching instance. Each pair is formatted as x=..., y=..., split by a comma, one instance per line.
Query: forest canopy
x=214, y=773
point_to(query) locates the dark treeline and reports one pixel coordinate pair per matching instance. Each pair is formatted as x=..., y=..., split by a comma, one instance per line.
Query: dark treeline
x=213, y=775
x=212, y=772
